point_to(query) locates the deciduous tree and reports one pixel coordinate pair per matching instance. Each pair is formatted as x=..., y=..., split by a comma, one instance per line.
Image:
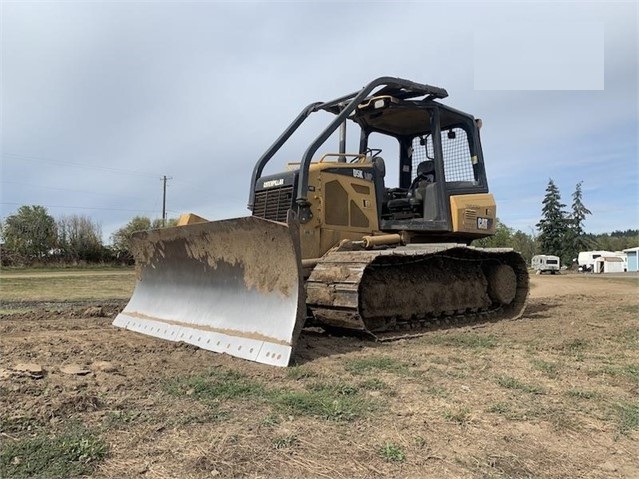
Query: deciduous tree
x=29, y=234
x=501, y=239
x=121, y=239
x=80, y=238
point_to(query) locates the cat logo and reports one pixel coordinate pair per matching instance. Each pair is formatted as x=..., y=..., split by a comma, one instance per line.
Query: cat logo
x=483, y=223
x=272, y=183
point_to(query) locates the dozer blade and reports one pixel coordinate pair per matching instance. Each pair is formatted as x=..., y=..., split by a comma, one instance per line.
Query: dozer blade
x=231, y=286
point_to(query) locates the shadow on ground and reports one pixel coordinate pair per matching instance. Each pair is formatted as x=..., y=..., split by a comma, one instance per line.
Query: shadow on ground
x=539, y=309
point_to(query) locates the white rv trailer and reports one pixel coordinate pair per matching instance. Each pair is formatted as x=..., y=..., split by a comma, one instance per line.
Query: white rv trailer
x=586, y=259
x=543, y=263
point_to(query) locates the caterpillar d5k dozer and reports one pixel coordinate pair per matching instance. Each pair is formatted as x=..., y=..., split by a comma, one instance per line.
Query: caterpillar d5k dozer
x=329, y=243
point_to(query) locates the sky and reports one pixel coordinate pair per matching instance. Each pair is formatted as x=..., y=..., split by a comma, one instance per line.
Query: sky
x=101, y=100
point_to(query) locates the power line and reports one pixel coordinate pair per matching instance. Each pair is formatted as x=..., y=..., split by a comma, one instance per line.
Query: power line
x=106, y=168
x=14, y=156
x=69, y=189
x=193, y=185
x=84, y=207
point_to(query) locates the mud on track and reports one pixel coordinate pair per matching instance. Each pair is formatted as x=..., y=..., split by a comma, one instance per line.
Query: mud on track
x=551, y=395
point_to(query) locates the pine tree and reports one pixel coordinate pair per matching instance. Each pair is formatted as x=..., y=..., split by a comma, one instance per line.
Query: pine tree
x=579, y=211
x=554, y=223
x=575, y=238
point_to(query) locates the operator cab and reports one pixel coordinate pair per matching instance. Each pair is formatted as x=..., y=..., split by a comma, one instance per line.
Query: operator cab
x=439, y=155
x=439, y=193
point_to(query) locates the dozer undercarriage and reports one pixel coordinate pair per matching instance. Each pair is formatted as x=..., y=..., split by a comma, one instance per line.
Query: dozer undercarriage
x=384, y=293
x=329, y=244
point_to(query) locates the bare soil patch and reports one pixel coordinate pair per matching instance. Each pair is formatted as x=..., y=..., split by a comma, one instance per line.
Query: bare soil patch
x=551, y=395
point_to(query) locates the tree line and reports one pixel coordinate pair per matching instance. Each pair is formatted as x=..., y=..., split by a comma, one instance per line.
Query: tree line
x=32, y=236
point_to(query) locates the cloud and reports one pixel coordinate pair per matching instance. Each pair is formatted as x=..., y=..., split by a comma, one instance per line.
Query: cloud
x=197, y=92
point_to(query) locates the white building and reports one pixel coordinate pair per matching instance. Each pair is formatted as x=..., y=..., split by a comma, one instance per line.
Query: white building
x=608, y=264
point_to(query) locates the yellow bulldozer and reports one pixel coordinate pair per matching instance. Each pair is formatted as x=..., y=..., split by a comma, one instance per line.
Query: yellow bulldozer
x=330, y=243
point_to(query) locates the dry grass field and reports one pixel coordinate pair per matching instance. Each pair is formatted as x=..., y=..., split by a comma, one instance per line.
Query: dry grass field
x=551, y=395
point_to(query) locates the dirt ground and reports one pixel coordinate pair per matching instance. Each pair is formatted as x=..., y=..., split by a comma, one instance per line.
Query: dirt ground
x=550, y=395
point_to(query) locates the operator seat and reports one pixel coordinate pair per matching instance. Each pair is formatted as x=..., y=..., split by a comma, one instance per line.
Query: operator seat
x=425, y=173
x=379, y=168
x=418, y=191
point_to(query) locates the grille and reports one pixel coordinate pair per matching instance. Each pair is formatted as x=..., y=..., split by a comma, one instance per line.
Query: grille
x=470, y=214
x=272, y=204
x=458, y=164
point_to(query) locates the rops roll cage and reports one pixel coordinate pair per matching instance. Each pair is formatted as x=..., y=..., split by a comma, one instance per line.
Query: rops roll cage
x=342, y=107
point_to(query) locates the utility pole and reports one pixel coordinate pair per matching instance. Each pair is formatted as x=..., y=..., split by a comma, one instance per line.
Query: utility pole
x=164, y=180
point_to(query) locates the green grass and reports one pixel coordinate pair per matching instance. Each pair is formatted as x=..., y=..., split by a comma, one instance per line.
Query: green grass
x=392, y=452
x=623, y=371
x=582, y=394
x=462, y=340
x=512, y=383
x=284, y=442
x=9, y=424
x=88, y=285
x=211, y=416
x=560, y=417
x=629, y=337
x=446, y=360
x=631, y=371
x=456, y=373
x=215, y=384
x=575, y=346
x=550, y=369
x=74, y=453
x=459, y=416
x=329, y=403
x=499, y=408
x=376, y=363
x=271, y=420
x=300, y=372
x=511, y=411
x=125, y=419
x=437, y=391
x=375, y=384
x=335, y=388
x=63, y=268
x=122, y=419
x=627, y=416
x=333, y=401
